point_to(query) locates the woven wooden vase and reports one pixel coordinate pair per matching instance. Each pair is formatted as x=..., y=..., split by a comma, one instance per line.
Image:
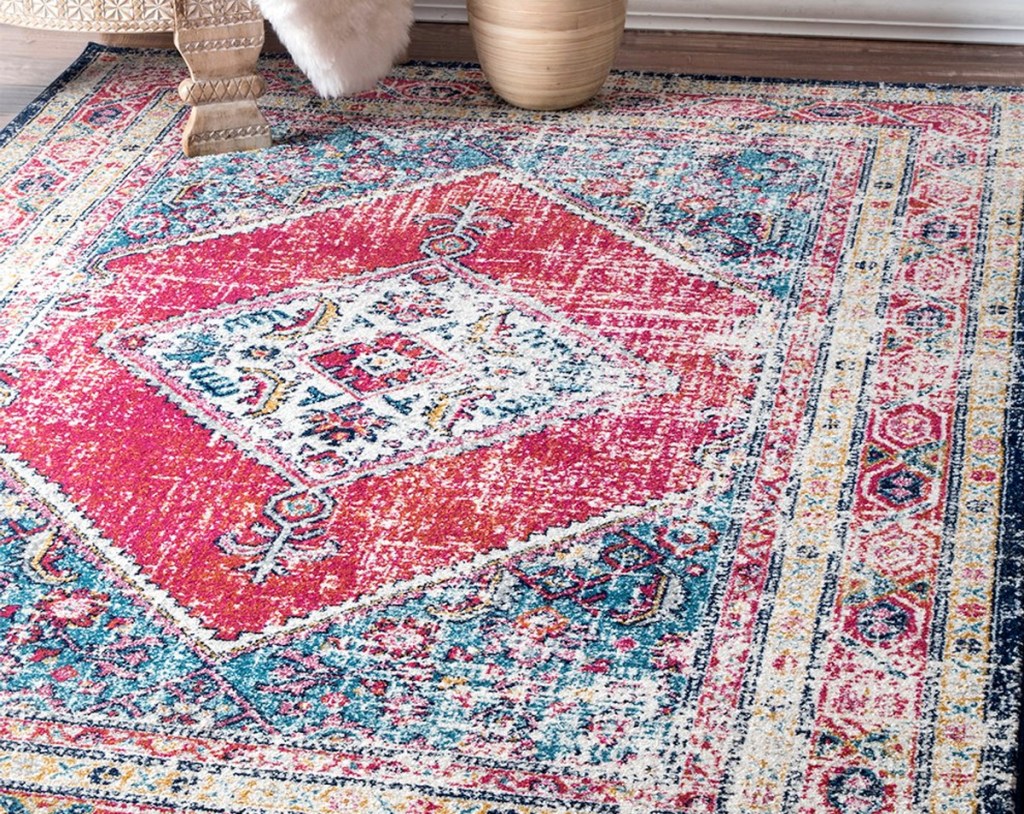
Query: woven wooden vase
x=546, y=54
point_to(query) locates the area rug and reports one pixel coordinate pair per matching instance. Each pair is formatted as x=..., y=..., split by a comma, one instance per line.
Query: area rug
x=663, y=455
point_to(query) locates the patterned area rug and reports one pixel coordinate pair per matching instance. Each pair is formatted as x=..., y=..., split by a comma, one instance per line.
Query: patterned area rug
x=660, y=456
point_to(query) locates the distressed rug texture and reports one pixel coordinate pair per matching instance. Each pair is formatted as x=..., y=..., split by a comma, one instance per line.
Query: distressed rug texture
x=659, y=456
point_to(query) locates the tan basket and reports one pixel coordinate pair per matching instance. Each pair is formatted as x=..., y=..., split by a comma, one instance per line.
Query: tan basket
x=546, y=54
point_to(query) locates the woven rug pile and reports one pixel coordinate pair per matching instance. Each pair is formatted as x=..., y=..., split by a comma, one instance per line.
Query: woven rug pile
x=664, y=455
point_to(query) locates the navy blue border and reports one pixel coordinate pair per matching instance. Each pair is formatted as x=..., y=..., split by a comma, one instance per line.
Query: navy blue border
x=15, y=126
x=1006, y=689
x=1012, y=538
x=1002, y=789
x=83, y=61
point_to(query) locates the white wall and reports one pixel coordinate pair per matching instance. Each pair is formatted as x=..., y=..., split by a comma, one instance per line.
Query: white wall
x=993, y=21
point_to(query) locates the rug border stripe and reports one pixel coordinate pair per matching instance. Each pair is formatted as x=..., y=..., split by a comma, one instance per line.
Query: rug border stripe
x=1006, y=686
x=83, y=61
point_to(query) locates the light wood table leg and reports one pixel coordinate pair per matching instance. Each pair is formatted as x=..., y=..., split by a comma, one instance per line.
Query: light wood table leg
x=221, y=49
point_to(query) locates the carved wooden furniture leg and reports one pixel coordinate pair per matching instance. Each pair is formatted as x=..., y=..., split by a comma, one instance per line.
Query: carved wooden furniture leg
x=220, y=42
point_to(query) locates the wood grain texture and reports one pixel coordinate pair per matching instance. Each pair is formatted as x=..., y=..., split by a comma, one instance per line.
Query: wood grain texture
x=222, y=52
x=778, y=57
x=30, y=59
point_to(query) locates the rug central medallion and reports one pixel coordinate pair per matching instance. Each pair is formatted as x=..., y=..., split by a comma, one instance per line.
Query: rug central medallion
x=317, y=414
x=332, y=383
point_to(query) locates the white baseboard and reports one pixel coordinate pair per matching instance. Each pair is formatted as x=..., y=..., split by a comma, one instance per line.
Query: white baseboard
x=981, y=21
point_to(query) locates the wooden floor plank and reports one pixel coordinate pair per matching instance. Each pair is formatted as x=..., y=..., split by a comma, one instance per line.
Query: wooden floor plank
x=822, y=58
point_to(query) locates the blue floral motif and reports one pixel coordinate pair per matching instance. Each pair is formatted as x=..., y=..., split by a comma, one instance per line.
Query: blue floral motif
x=73, y=643
x=759, y=223
x=505, y=664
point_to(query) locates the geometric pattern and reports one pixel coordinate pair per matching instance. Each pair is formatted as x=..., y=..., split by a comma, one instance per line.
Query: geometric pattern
x=332, y=400
x=417, y=360
x=83, y=15
x=122, y=16
x=656, y=456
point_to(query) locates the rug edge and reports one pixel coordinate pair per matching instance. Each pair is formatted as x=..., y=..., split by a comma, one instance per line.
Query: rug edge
x=33, y=108
x=749, y=78
x=1009, y=674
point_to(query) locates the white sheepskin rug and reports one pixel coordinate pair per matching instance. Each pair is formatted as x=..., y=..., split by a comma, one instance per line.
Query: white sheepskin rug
x=343, y=46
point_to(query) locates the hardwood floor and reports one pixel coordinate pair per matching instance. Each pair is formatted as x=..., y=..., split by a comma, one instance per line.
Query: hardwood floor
x=31, y=59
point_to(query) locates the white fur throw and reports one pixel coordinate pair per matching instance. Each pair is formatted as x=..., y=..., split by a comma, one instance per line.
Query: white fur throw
x=343, y=46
